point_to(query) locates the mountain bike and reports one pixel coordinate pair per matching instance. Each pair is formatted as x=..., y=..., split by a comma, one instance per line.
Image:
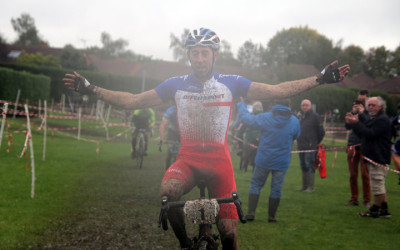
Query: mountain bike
x=173, y=149
x=140, y=147
x=201, y=212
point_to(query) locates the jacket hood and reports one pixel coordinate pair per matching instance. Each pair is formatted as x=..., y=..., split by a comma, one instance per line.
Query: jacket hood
x=280, y=115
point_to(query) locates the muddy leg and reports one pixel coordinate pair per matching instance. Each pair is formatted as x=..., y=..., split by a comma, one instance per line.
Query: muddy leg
x=174, y=189
x=228, y=231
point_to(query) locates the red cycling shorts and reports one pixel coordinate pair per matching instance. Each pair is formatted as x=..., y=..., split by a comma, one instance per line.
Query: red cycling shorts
x=218, y=174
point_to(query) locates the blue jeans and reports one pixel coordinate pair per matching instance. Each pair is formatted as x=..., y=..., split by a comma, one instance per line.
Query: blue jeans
x=260, y=176
x=307, y=161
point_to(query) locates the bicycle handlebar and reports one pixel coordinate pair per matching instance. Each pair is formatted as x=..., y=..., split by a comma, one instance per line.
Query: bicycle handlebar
x=165, y=206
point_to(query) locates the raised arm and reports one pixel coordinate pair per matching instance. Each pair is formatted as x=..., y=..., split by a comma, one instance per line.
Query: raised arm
x=124, y=100
x=331, y=74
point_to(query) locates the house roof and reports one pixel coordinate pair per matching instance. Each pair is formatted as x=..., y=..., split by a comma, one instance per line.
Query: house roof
x=392, y=85
x=362, y=81
x=7, y=51
x=114, y=66
x=308, y=70
x=162, y=70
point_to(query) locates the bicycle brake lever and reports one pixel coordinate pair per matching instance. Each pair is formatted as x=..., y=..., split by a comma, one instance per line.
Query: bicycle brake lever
x=238, y=203
x=162, y=219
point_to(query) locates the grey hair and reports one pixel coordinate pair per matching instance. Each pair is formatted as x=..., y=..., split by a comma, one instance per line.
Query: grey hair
x=381, y=102
x=257, y=106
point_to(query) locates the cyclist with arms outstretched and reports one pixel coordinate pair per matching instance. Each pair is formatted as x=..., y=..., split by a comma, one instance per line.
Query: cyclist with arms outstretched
x=204, y=101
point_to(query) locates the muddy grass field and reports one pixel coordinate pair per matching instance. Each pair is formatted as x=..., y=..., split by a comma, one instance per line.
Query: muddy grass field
x=115, y=206
x=106, y=202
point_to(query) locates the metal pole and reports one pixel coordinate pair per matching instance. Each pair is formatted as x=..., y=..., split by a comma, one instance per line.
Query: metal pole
x=16, y=103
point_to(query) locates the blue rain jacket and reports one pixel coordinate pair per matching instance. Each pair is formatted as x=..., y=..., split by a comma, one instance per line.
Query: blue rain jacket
x=279, y=128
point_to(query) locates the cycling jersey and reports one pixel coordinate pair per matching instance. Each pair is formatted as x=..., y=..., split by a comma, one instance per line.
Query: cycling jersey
x=203, y=113
x=143, y=118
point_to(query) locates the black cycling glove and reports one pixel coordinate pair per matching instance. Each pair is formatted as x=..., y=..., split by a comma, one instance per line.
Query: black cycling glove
x=82, y=85
x=329, y=74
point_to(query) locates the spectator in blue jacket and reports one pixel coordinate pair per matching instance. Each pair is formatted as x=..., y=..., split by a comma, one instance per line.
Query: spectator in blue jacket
x=279, y=128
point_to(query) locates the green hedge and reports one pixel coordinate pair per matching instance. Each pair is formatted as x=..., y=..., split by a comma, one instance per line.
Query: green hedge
x=329, y=97
x=33, y=87
x=131, y=84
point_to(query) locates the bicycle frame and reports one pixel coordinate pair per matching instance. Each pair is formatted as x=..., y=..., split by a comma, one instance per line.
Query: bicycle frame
x=140, y=147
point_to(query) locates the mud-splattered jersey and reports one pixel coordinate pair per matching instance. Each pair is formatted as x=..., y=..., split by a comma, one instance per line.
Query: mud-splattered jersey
x=203, y=111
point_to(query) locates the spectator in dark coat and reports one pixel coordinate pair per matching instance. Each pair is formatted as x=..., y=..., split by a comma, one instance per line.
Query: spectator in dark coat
x=312, y=134
x=375, y=133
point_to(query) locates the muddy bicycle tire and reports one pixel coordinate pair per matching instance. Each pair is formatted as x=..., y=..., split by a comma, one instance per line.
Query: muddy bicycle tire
x=140, y=144
x=206, y=244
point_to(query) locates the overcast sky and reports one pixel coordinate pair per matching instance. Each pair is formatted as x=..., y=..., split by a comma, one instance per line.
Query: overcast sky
x=147, y=24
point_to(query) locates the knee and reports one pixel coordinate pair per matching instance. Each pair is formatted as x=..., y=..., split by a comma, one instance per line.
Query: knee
x=275, y=194
x=227, y=229
x=172, y=188
x=254, y=190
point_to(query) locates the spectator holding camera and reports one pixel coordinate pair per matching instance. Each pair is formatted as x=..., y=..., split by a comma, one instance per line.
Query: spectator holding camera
x=375, y=133
x=355, y=158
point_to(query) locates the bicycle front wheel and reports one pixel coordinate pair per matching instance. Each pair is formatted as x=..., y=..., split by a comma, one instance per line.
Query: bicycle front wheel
x=140, y=150
x=206, y=243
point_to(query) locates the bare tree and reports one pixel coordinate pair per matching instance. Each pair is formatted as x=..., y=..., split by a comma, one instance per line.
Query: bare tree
x=27, y=32
x=250, y=55
x=177, y=45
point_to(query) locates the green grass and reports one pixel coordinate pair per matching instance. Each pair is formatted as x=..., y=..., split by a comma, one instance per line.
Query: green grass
x=89, y=201
x=320, y=220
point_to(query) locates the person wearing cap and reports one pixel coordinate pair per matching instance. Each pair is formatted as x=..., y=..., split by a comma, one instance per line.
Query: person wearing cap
x=204, y=101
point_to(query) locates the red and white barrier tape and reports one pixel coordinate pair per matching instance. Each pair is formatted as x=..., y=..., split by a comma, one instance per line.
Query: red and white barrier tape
x=335, y=128
x=338, y=131
x=380, y=165
x=53, y=110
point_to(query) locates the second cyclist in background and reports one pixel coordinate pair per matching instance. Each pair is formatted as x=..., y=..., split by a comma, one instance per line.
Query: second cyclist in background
x=173, y=139
x=142, y=119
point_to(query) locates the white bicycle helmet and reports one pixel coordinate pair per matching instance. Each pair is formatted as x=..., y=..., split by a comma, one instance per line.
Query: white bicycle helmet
x=202, y=37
